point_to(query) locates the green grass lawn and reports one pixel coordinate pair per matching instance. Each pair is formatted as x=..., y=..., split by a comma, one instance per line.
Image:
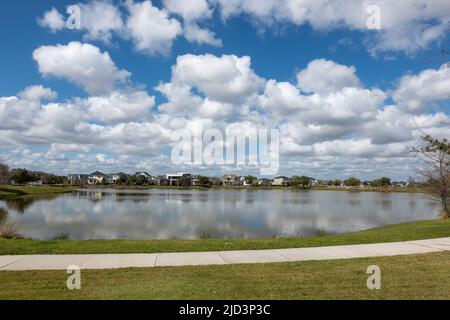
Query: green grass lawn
x=286, y=188
x=20, y=190
x=403, y=277
x=400, y=232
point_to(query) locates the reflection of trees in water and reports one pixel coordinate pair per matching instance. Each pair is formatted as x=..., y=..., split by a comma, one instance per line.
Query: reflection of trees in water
x=96, y=196
x=412, y=205
x=213, y=214
x=387, y=205
x=3, y=215
x=140, y=197
x=21, y=204
x=119, y=199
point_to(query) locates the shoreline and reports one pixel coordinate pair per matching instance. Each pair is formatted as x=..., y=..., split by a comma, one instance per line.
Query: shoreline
x=418, y=230
x=12, y=191
x=287, y=188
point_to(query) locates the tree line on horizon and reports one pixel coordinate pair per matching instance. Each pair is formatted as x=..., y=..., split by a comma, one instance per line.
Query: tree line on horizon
x=24, y=176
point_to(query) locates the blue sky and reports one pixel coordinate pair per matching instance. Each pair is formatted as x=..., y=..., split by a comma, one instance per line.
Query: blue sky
x=297, y=46
x=387, y=67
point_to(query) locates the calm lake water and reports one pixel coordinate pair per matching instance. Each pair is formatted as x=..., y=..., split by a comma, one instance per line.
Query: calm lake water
x=189, y=214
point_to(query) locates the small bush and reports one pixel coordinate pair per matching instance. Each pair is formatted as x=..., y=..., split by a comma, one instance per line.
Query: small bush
x=205, y=236
x=9, y=230
x=61, y=236
x=321, y=233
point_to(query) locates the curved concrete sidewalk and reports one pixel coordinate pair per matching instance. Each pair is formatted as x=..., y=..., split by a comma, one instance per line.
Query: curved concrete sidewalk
x=115, y=261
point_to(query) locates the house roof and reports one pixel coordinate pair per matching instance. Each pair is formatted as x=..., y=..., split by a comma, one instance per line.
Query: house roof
x=97, y=173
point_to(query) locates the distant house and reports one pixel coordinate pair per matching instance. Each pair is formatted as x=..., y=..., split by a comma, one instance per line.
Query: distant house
x=161, y=181
x=265, y=182
x=232, y=180
x=243, y=181
x=144, y=175
x=280, y=181
x=216, y=181
x=195, y=181
x=177, y=179
x=38, y=182
x=96, y=178
x=112, y=178
x=77, y=178
x=141, y=178
x=153, y=181
x=366, y=183
x=400, y=184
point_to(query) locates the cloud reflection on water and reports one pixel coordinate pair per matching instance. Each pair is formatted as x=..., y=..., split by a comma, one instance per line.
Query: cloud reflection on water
x=187, y=214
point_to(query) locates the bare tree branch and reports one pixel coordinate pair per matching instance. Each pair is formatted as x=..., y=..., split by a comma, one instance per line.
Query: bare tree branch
x=435, y=155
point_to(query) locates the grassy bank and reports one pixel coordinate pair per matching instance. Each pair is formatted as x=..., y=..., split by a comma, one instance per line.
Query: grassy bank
x=402, y=277
x=372, y=189
x=7, y=191
x=290, y=188
x=400, y=232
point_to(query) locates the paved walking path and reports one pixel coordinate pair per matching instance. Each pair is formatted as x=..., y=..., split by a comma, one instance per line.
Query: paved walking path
x=115, y=261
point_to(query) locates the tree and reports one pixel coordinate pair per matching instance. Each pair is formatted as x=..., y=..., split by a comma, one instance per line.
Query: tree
x=337, y=182
x=53, y=179
x=411, y=182
x=4, y=173
x=300, y=181
x=22, y=176
x=204, y=181
x=382, y=182
x=122, y=179
x=132, y=180
x=352, y=182
x=141, y=180
x=250, y=180
x=183, y=181
x=435, y=155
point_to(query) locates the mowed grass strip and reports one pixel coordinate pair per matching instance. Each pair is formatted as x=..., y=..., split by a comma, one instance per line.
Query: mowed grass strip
x=399, y=232
x=18, y=190
x=402, y=277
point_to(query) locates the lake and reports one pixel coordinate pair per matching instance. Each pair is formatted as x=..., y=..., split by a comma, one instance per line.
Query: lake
x=221, y=214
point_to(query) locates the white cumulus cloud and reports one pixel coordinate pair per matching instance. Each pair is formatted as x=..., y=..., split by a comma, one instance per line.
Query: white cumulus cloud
x=227, y=78
x=151, y=28
x=414, y=92
x=321, y=76
x=52, y=20
x=83, y=64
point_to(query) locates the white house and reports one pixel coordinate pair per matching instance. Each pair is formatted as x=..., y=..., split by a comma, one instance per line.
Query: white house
x=174, y=179
x=231, y=180
x=112, y=178
x=280, y=181
x=77, y=178
x=265, y=182
x=96, y=178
